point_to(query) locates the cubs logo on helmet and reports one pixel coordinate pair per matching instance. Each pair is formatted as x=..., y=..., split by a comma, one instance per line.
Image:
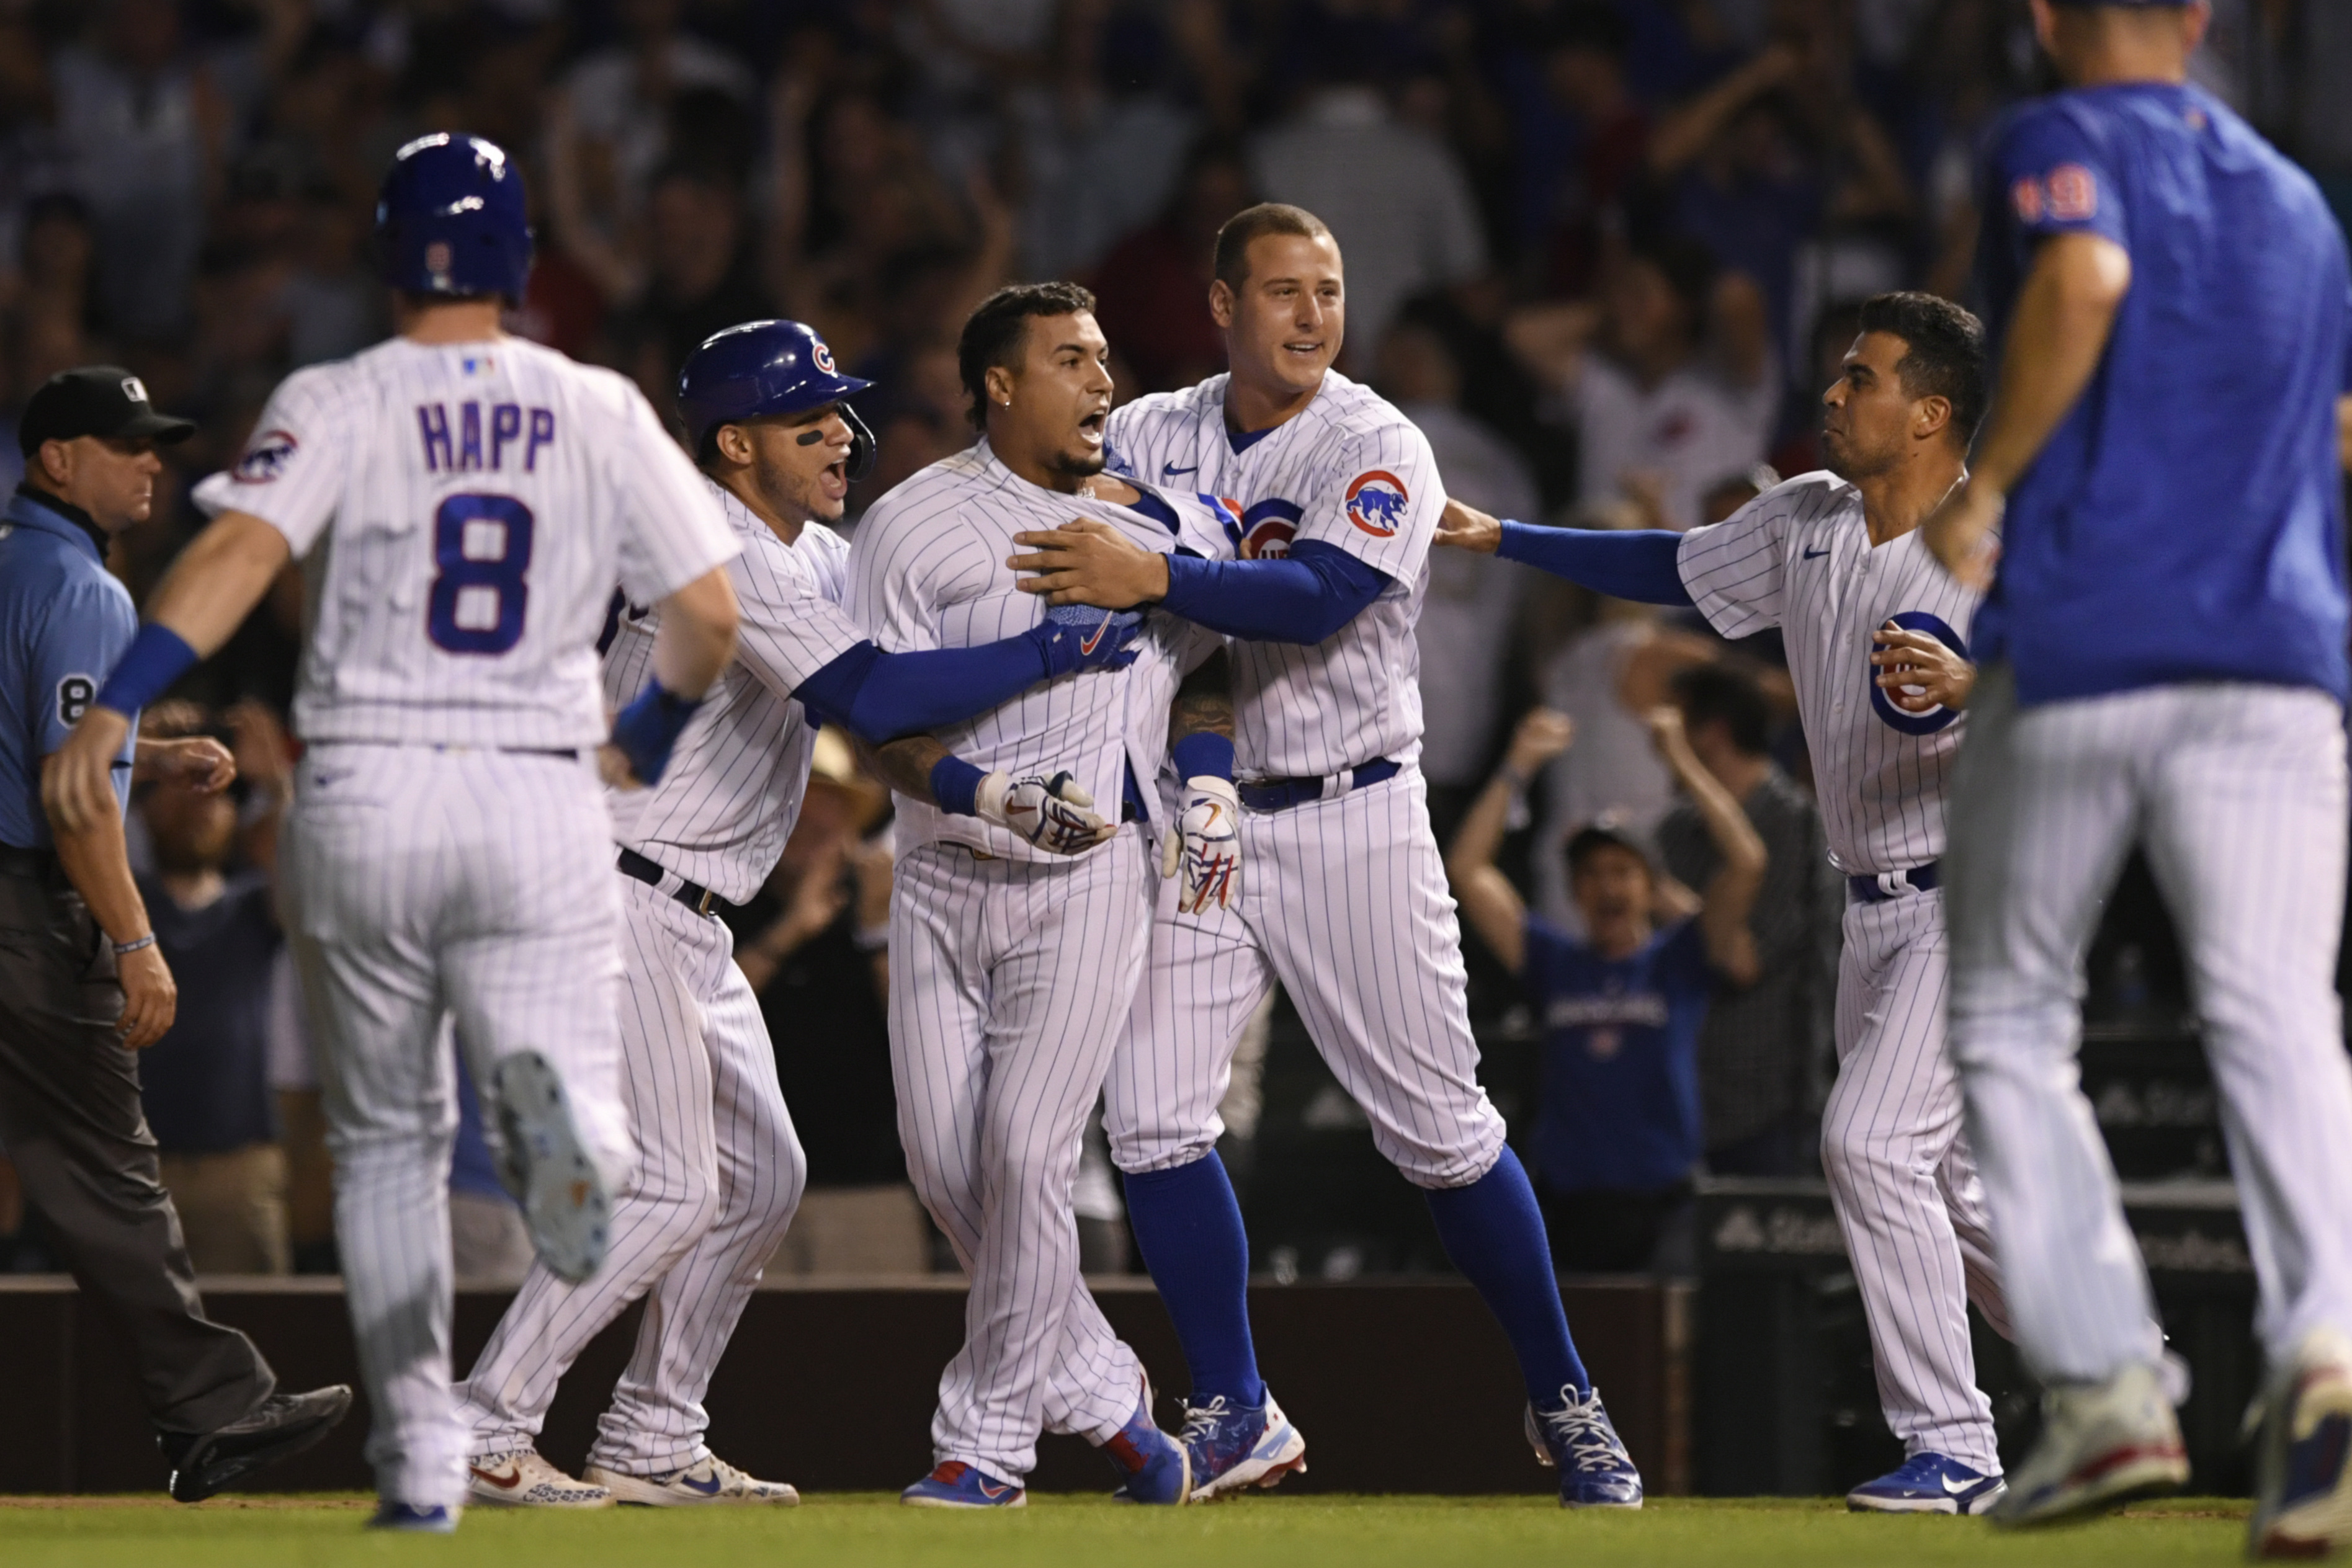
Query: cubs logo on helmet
x=821, y=353
x=1376, y=503
x=266, y=457
x=1935, y=718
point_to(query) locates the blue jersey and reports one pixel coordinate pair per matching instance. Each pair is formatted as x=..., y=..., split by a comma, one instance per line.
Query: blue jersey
x=2184, y=522
x=1619, y=1097
x=64, y=621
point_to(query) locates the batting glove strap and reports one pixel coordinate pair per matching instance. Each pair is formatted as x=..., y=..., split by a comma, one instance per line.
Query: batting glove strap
x=1204, y=846
x=647, y=729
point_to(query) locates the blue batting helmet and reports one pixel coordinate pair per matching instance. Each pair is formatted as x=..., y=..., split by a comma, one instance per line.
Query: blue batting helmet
x=451, y=219
x=768, y=367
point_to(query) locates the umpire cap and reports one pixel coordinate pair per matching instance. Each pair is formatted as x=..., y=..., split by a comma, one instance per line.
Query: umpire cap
x=451, y=220
x=761, y=367
x=104, y=401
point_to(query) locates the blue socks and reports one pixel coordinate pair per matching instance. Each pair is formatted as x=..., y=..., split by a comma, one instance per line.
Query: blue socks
x=1495, y=1234
x=1189, y=1227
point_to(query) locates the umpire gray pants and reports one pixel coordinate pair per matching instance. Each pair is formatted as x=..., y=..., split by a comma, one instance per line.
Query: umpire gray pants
x=2238, y=793
x=70, y=1119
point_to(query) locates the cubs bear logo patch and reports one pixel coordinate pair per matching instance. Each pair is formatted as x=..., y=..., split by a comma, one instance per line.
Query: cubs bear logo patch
x=1376, y=503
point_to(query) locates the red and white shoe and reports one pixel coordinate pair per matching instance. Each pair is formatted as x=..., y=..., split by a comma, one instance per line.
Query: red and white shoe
x=2101, y=1445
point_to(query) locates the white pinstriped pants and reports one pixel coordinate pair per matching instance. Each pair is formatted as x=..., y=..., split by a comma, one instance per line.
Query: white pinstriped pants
x=1903, y=1184
x=2238, y=792
x=720, y=1175
x=421, y=884
x=1345, y=900
x=1010, y=982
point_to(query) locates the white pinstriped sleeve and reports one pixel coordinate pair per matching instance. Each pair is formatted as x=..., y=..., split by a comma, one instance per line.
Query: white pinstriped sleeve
x=1737, y=570
x=1378, y=497
x=675, y=531
x=789, y=630
x=292, y=471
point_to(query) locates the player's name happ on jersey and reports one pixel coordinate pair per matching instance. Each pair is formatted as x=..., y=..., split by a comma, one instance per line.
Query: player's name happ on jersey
x=483, y=438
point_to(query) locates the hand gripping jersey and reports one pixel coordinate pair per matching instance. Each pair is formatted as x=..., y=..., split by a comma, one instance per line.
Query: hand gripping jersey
x=1347, y=470
x=1799, y=557
x=463, y=512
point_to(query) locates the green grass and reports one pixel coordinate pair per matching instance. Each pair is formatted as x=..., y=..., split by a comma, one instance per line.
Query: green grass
x=1288, y=1532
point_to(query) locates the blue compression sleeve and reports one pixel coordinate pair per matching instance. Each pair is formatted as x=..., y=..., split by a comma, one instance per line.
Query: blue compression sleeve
x=1306, y=598
x=157, y=656
x=879, y=696
x=1640, y=564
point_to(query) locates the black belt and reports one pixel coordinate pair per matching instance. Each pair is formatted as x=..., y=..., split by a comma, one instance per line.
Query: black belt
x=693, y=895
x=1281, y=794
x=36, y=865
x=1886, y=886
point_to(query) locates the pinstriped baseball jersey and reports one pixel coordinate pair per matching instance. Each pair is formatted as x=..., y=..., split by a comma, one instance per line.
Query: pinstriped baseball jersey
x=1799, y=557
x=722, y=810
x=1350, y=471
x=927, y=571
x=476, y=503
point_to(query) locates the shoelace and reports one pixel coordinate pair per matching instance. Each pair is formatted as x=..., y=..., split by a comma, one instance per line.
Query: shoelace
x=1583, y=1430
x=1201, y=1422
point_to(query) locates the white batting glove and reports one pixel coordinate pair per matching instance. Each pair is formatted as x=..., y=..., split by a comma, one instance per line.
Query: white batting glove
x=1206, y=846
x=1053, y=812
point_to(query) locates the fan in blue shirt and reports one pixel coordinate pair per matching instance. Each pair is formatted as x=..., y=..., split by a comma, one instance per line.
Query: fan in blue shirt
x=1617, y=1126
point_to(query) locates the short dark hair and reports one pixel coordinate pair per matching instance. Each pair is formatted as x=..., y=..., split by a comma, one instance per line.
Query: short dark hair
x=1944, y=351
x=994, y=332
x=1231, y=263
x=1707, y=692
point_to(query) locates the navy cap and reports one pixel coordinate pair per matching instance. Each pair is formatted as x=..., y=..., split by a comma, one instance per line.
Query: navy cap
x=104, y=401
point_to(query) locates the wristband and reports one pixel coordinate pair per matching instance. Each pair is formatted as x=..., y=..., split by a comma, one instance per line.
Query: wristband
x=1206, y=753
x=647, y=729
x=156, y=657
x=955, y=785
x=124, y=948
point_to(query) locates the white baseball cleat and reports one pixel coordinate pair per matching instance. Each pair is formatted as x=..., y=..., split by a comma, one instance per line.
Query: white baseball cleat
x=709, y=1479
x=2303, y=1485
x=2101, y=1444
x=546, y=1167
x=519, y=1477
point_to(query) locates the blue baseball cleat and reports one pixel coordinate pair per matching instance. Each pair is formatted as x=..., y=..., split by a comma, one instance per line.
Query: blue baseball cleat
x=1577, y=1438
x=407, y=1519
x=958, y=1485
x=1928, y=1483
x=1156, y=1468
x=1236, y=1446
x=2303, y=1456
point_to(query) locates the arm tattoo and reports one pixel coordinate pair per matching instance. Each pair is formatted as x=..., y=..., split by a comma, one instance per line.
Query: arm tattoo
x=905, y=765
x=1204, y=704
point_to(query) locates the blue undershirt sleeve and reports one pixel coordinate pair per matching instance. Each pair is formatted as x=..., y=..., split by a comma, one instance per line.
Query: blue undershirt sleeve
x=1304, y=598
x=878, y=697
x=1639, y=564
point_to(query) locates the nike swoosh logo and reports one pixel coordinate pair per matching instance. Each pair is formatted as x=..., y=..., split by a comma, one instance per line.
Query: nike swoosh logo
x=1811, y=553
x=994, y=1492
x=708, y=1488
x=1089, y=643
x=1957, y=1487
x=1169, y=470
x=507, y=1482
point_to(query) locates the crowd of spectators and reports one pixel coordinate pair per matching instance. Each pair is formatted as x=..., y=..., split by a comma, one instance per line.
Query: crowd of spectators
x=1603, y=251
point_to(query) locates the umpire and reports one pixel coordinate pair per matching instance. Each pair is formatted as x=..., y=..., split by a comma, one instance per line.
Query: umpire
x=82, y=984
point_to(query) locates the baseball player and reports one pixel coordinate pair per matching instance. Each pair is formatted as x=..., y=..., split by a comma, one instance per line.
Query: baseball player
x=473, y=498
x=1331, y=498
x=1012, y=970
x=2164, y=661
x=1834, y=560
x=720, y=1171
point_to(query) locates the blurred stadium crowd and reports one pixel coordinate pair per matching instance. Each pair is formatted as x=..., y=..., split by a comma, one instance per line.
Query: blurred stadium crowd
x=1605, y=252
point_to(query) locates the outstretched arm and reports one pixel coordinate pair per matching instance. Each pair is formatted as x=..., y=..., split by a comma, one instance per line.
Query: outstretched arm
x=878, y=695
x=1639, y=564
